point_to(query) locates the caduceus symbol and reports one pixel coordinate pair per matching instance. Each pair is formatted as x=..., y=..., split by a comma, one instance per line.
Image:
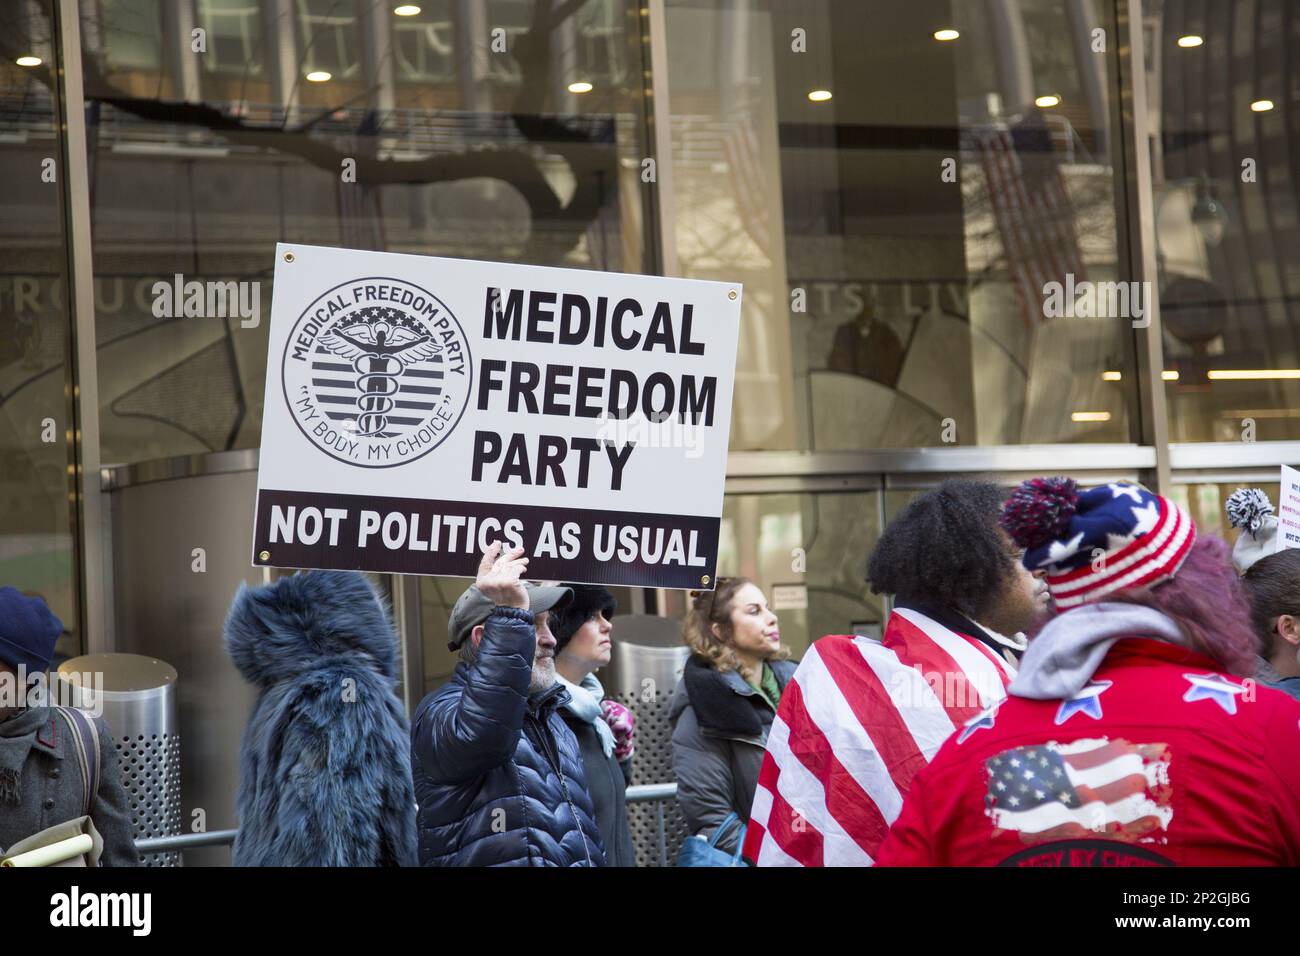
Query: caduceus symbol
x=378, y=352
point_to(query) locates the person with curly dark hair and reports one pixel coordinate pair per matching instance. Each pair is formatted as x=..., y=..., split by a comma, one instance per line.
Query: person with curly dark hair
x=865, y=716
x=946, y=553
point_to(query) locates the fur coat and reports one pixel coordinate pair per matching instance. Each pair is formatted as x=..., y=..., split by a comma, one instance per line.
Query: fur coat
x=325, y=771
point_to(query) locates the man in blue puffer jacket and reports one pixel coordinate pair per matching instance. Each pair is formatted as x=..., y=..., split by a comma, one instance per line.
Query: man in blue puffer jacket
x=498, y=774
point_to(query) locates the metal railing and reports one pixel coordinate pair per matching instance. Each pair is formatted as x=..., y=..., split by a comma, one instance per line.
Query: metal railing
x=645, y=793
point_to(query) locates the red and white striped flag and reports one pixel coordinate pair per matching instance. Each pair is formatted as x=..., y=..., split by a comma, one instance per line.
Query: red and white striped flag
x=856, y=723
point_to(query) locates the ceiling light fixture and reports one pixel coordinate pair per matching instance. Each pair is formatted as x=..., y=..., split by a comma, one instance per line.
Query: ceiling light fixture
x=1250, y=374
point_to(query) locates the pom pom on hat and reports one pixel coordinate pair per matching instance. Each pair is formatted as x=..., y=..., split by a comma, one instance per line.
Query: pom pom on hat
x=1247, y=508
x=1250, y=511
x=1040, y=510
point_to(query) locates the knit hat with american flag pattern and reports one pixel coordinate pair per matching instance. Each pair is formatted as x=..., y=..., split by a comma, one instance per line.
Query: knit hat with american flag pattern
x=1095, y=542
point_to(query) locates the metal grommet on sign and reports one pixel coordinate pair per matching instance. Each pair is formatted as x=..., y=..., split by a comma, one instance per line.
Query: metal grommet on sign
x=704, y=579
x=288, y=257
x=731, y=294
x=264, y=556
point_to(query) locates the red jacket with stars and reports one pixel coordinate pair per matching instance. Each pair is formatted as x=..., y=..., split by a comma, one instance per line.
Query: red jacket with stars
x=1161, y=760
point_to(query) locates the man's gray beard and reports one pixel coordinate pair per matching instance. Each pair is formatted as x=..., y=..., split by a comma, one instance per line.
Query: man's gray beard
x=543, y=675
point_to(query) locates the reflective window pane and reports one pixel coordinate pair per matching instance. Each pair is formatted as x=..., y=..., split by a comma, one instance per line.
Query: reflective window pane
x=220, y=127
x=37, y=513
x=1224, y=166
x=899, y=205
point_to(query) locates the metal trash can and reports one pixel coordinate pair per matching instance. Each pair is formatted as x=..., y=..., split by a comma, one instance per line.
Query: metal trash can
x=647, y=661
x=138, y=697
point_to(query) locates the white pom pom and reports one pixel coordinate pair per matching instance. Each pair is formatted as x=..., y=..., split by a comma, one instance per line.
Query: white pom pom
x=1247, y=508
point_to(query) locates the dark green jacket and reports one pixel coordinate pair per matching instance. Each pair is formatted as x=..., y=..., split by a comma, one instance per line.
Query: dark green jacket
x=38, y=755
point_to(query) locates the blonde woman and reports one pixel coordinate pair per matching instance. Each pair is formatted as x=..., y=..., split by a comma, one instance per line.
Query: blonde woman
x=724, y=704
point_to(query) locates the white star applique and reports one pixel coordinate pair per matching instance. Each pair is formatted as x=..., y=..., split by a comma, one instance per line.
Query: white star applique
x=1058, y=551
x=1212, y=687
x=1133, y=491
x=1146, y=518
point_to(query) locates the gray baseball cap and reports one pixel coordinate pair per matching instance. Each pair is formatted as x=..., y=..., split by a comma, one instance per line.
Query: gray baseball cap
x=473, y=607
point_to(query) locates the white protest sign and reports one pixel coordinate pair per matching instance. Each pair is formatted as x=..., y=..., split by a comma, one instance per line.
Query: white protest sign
x=1288, y=510
x=417, y=408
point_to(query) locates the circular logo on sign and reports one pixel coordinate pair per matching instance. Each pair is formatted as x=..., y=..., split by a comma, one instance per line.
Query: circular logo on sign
x=377, y=372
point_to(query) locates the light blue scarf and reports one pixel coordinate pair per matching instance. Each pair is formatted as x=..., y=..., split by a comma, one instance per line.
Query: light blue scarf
x=584, y=703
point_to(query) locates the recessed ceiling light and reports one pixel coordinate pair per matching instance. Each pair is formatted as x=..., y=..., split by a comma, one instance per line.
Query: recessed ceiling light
x=1190, y=41
x=1090, y=417
x=819, y=96
x=1250, y=374
x=1169, y=375
x=581, y=86
x=406, y=10
x=318, y=76
x=944, y=35
x=28, y=61
x=1050, y=100
x=1262, y=106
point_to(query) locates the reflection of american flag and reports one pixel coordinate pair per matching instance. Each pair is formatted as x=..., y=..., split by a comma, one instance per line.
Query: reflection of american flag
x=361, y=214
x=741, y=147
x=1032, y=208
x=1086, y=788
x=361, y=219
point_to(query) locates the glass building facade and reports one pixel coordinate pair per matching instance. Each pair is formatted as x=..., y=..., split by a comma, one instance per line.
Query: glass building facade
x=897, y=185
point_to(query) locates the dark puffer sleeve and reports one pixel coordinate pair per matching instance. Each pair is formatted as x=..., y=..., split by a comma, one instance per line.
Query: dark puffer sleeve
x=460, y=737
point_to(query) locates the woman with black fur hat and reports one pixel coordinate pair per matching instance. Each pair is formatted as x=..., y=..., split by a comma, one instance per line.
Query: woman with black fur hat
x=604, y=728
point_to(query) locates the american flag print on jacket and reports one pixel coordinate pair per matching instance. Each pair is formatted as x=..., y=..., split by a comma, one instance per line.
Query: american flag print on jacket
x=1093, y=787
x=858, y=720
x=1166, y=761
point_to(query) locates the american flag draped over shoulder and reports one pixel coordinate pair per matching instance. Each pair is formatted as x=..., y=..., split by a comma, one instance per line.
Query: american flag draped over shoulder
x=856, y=722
